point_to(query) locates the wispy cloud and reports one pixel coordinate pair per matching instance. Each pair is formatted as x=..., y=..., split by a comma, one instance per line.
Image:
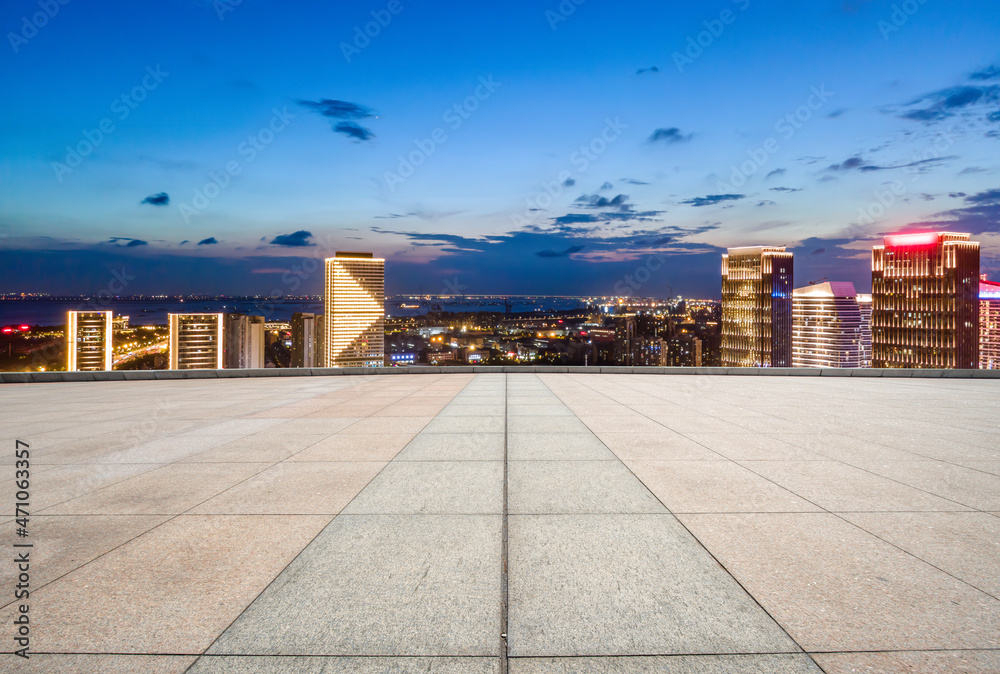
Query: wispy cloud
x=669, y=136
x=619, y=201
x=299, y=238
x=712, y=199
x=161, y=199
x=345, y=111
x=127, y=242
x=559, y=253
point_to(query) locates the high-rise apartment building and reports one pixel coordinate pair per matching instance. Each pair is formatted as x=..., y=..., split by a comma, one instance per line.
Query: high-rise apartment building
x=195, y=341
x=865, y=305
x=625, y=339
x=304, y=340
x=354, y=322
x=989, y=325
x=925, y=301
x=216, y=341
x=757, y=307
x=88, y=340
x=828, y=328
x=242, y=341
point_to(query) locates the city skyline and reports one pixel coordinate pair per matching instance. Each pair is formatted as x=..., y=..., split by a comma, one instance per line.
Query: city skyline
x=568, y=147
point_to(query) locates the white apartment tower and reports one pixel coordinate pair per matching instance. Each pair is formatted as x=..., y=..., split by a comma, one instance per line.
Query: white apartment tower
x=828, y=327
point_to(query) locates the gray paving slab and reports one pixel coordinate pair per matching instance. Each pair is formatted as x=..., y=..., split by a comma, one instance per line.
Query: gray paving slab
x=382, y=585
x=454, y=447
x=625, y=585
x=433, y=487
x=560, y=487
x=299, y=664
x=465, y=425
x=836, y=587
x=681, y=664
x=581, y=446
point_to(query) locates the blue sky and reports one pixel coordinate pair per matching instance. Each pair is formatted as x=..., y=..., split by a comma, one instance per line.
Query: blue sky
x=223, y=147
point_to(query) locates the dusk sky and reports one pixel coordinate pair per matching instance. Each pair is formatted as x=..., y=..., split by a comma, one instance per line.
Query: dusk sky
x=526, y=147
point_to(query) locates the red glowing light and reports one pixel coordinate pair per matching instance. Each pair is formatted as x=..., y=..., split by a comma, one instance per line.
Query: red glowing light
x=923, y=239
x=24, y=328
x=8, y=330
x=583, y=332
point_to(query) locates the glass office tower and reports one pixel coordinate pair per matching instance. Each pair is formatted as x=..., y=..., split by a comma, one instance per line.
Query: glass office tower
x=925, y=301
x=757, y=307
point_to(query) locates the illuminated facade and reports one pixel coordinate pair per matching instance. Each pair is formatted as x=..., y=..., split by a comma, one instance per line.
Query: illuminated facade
x=828, y=328
x=865, y=305
x=989, y=325
x=216, y=341
x=353, y=326
x=757, y=307
x=925, y=301
x=88, y=337
x=195, y=341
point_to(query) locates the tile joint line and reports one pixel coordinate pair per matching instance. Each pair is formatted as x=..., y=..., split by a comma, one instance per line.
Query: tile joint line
x=504, y=596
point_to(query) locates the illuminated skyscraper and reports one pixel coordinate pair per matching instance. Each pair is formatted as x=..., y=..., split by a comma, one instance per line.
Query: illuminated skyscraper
x=989, y=325
x=195, y=341
x=865, y=305
x=828, y=328
x=757, y=307
x=88, y=340
x=353, y=326
x=216, y=341
x=925, y=301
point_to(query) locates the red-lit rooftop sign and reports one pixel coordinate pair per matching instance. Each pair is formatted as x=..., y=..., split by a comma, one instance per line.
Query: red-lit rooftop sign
x=922, y=239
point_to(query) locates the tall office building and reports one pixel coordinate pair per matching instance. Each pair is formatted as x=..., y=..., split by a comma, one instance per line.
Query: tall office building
x=216, y=341
x=354, y=323
x=757, y=307
x=925, y=301
x=304, y=340
x=828, y=328
x=989, y=325
x=88, y=340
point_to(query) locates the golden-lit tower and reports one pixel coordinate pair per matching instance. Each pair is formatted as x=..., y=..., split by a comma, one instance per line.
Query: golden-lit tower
x=757, y=307
x=925, y=301
x=354, y=322
x=88, y=340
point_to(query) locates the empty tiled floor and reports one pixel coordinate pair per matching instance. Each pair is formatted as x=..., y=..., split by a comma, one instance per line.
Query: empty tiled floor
x=509, y=522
